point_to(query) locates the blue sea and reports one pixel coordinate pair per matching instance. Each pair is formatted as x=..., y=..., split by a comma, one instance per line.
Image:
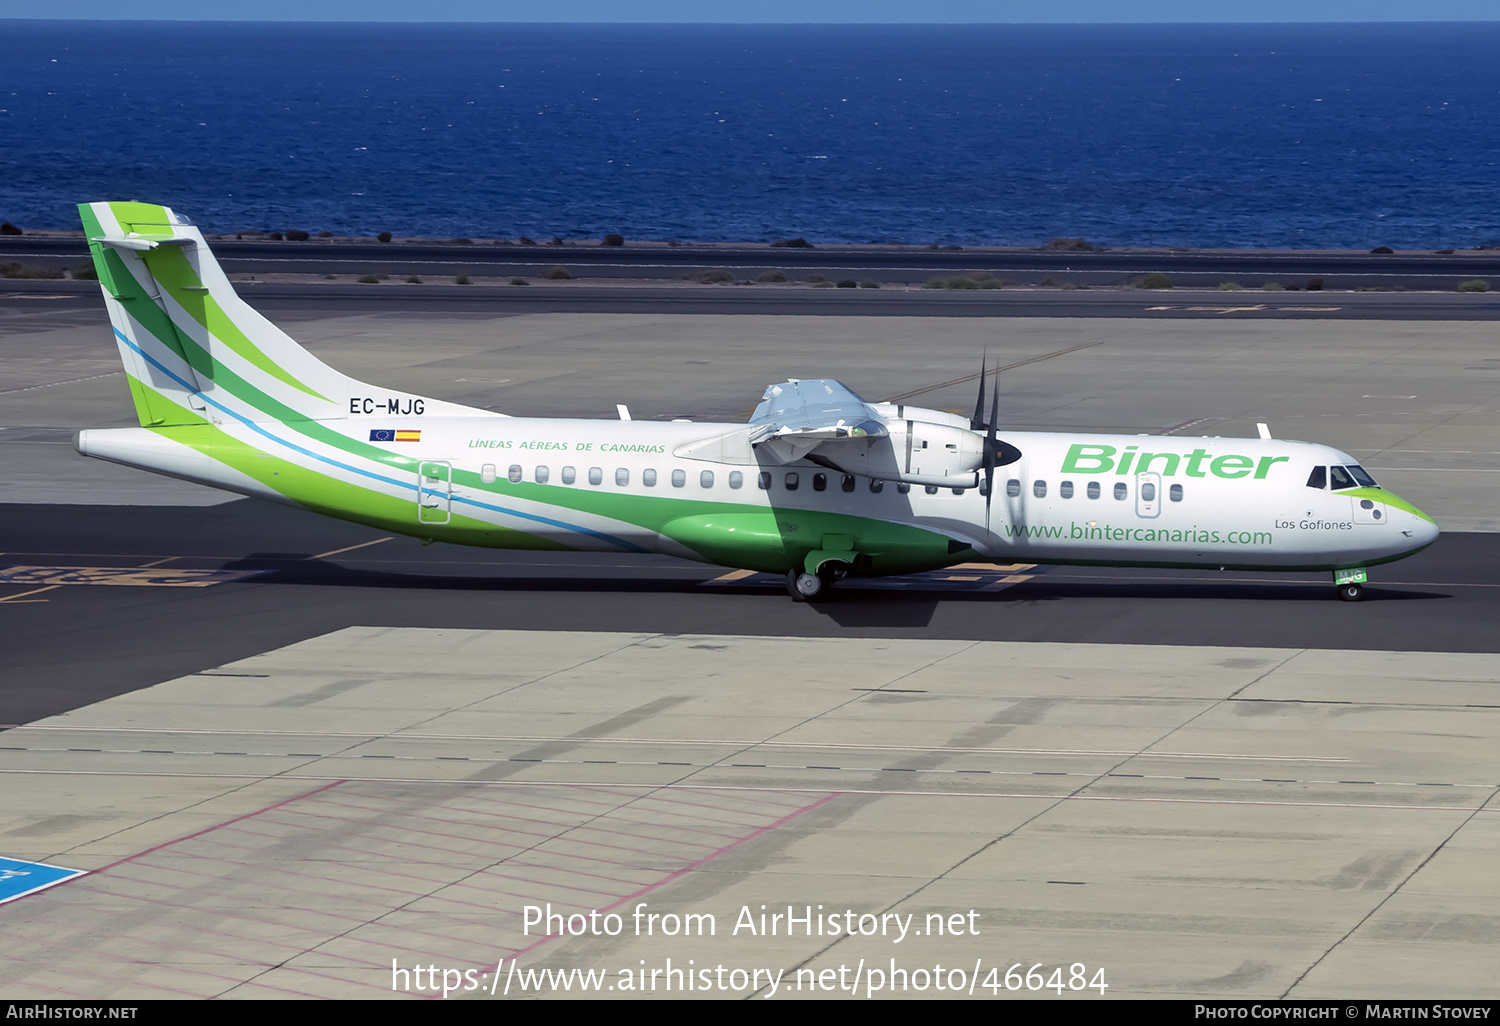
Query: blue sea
x=1302, y=136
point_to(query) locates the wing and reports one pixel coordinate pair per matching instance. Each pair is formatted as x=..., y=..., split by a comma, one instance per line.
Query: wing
x=797, y=416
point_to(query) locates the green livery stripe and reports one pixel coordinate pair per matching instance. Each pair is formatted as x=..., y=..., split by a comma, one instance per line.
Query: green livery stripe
x=170, y=267
x=153, y=319
x=1390, y=499
x=737, y=534
x=330, y=496
x=131, y=214
x=147, y=400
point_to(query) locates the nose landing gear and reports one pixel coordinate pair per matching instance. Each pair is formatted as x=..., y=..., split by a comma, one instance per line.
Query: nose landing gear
x=1350, y=583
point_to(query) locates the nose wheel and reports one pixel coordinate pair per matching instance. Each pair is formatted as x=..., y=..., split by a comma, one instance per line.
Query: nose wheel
x=1350, y=583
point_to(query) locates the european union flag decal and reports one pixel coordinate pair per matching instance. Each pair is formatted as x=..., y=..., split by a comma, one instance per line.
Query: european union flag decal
x=19, y=878
x=382, y=435
x=400, y=435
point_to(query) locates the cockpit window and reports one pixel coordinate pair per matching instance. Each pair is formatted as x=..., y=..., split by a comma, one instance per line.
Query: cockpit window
x=1359, y=474
x=1339, y=476
x=1318, y=478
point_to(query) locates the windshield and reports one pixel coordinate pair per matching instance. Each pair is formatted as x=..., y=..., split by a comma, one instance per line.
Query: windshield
x=1350, y=477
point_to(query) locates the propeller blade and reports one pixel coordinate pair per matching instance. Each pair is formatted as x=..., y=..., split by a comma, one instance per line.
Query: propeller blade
x=991, y=454
x=975, y=424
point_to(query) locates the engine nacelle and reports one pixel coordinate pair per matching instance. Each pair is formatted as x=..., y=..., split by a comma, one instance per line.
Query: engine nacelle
x=916, y=452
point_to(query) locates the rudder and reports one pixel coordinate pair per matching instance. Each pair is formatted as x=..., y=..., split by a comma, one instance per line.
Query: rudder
x=192, y=348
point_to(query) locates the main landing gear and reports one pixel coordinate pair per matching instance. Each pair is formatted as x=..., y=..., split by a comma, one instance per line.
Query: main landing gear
x=806, y=587
x=1350, y=592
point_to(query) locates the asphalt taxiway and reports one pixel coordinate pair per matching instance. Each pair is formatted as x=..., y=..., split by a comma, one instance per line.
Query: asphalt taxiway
x=290, y=751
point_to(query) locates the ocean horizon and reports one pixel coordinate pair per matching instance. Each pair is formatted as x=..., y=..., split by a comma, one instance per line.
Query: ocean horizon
x=1259, y=136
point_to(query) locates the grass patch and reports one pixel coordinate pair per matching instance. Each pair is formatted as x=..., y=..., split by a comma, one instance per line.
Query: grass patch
x=1154, y=280
x=29, y=271
x=767, y=277
x=971, y=280
x=867, y=284
x=848, y=283
x=1474, y=285
x=519, y=281
x=368, y=279
x=460, y=279
x=414, y=280
x=86, y=272
x=717, y=276
x=1271, y=286
x=1231, y=286
x=557, y=273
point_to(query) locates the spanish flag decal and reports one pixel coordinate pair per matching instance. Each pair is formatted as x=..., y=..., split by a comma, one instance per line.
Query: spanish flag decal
x=387, y=435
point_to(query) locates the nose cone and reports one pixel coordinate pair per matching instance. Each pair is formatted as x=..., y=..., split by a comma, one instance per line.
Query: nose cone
x=1420, y=528
x=1424, y=530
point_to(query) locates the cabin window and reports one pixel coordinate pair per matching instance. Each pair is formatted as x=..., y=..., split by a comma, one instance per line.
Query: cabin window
x=648, y=478
x=1093, y=489
x=847, y=484
x=791, y=481
x=1175, y=493
x=1120, y=490
x=596, y=475
x=1318, y=478
x=622, y=477
x=1148, y=492
x=706, y=479
x=736, y=479
x=820, y=482
x=903, y=488
x=1065, y=489
x=931, y=489
x=1012, y=488
x=1339, y=478
x=541, y=474
x=958, y=491
x=877, y=486
x=1039, y=489
x=514, y=474
x=984, y=487
x=569, y=475
x=679, y=478
x=763, y=480
x=487, y=473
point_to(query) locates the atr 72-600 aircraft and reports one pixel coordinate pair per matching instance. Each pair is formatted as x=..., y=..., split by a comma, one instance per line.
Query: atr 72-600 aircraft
x=818, y=485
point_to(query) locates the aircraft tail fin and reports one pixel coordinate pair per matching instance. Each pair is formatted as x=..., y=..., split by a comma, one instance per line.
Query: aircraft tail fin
x=191, y=346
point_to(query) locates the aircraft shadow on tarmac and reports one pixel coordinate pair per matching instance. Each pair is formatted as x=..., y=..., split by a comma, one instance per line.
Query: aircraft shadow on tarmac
x=887, y=602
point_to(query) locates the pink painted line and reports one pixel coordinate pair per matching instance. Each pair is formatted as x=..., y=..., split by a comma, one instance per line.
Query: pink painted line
x=505, y=827
x=276, y=951
x=205, y=830
x=392, y=842
x=308, y=876
x=701, y=862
